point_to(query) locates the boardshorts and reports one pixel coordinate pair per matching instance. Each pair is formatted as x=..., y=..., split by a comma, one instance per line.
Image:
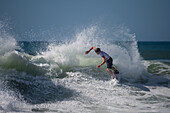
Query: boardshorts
x=109, y=62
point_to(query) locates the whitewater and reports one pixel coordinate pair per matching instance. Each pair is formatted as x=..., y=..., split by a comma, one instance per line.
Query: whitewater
x=61, y=78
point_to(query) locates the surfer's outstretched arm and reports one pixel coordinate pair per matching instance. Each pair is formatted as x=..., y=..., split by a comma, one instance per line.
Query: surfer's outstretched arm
x=89, y=50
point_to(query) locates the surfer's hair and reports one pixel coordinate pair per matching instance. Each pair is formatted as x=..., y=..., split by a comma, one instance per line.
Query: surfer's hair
x=97, y=50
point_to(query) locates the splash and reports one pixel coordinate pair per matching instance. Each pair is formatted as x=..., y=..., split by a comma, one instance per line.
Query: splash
x=7, y=42
x=119, y=44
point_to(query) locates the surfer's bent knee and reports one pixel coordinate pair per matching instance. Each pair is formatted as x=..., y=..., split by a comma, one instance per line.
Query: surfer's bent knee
x=108, y=70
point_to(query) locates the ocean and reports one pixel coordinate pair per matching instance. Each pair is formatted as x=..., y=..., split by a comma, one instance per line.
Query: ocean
x=57, y=76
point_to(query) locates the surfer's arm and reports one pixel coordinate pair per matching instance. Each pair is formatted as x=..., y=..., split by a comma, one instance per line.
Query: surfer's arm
x=101, y=63
x=89, y=50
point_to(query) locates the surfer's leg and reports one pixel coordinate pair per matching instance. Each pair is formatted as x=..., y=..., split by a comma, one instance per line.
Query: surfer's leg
x=109, y=70
x=115, y=70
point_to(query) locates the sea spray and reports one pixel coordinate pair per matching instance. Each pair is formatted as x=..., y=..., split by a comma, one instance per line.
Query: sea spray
x=118, y=42
x=128, y=58
x=121, y=45
x=7, y=41
x=7, y=46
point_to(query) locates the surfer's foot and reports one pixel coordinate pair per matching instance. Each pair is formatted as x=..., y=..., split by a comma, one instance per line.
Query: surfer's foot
x=115, y=78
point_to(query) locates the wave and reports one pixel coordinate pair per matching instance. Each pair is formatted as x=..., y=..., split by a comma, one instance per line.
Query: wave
x=20, y=63
x=62, y=57
x=68, y=56
x=157, y=67
x=121, y=45
x=59, y=58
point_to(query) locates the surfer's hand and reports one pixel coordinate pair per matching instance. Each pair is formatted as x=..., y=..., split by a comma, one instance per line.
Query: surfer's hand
x=98, y=66
x=86, y=52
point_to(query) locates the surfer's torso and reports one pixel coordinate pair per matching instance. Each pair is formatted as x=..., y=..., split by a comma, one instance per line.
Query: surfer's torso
x=104, y=55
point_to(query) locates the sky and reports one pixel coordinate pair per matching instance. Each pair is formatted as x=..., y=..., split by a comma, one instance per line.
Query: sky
x=148, y=19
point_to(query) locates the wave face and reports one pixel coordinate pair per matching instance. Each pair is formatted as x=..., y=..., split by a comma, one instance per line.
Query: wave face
x=59, y=77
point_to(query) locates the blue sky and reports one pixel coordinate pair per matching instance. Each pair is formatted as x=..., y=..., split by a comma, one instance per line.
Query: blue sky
x=148, y=19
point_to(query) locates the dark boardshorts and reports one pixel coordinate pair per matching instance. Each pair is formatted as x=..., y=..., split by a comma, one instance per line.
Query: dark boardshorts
x=109, y=63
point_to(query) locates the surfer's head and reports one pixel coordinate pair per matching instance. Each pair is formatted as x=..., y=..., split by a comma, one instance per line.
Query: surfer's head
x=97, y=50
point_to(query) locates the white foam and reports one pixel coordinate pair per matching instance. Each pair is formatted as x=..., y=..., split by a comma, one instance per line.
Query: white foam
x=93, y=95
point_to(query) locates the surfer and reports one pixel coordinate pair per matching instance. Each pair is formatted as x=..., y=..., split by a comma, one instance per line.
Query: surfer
x=106, y=58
